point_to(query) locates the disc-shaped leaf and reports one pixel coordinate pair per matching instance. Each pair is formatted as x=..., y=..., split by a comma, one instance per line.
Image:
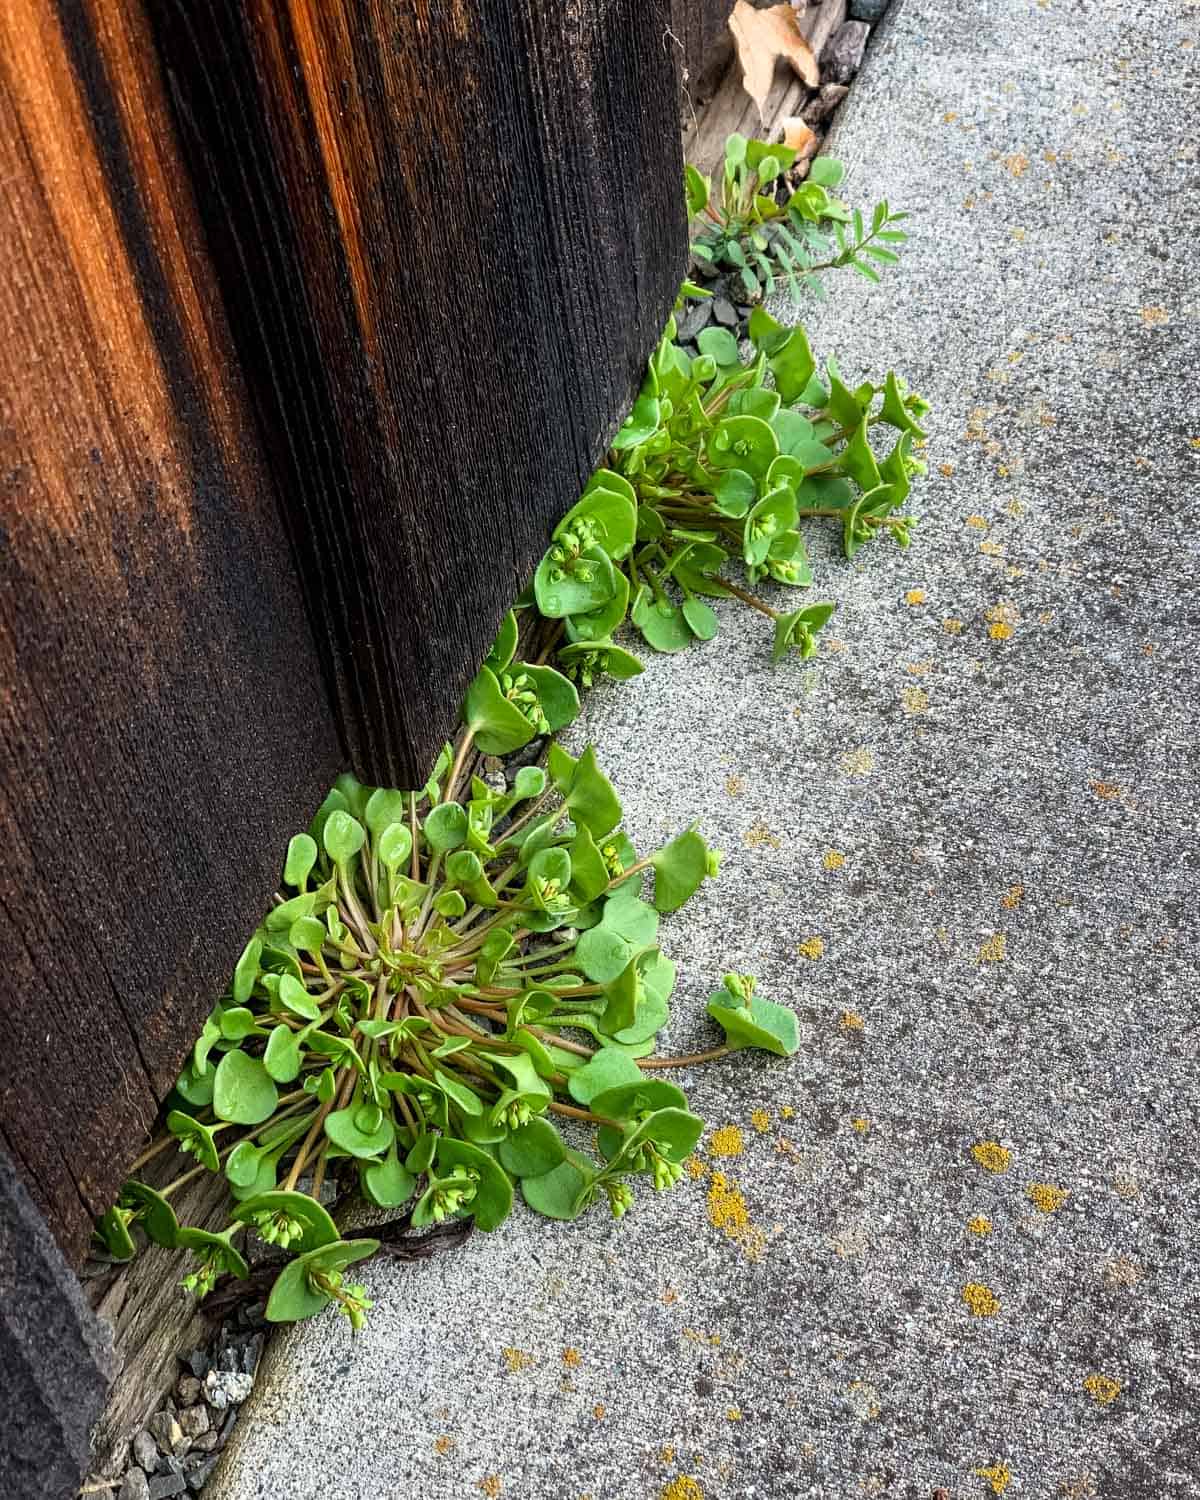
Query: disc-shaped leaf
x=600, y=623
x=736, y=491
x=742, y=443
x=318, y=1228
x=701, y=620
x=606, y=1069
x=574, y=586
x=560, y=1193
x=628, y=1100
x=498, y=726
x=343, y=1130
x=155, y=1214
x=343, y=837
x=610, y=513
x=294, y=996
x=301, y=857
x=386, y=1183
x=243, y=1091
x=661, y=623
x=679, y=868
x=533, y=1150
x=493, y=1198
x=446, y=827
x=761, y=1024
x=557, y=695
x=294, y=1296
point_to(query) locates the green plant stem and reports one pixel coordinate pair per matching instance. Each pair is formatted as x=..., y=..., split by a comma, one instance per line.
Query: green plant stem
x=580, y=1114
x=464, y=749
x=684, y=1062
x=751, y=599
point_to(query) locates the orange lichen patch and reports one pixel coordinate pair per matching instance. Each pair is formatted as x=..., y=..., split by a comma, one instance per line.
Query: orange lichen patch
x=490, y=1485
x=952, y=626
x=993, y=949
x=915, y=700
x=1017, y=164
x=683, y=1488
x=861, y=1124
x=1000, y=631
x=992, y=1156
x=860, y=762
x=999, y=1476
x=918, y=668
x=977, y=523
x=517, y=1359
x=696, y=1337
x=991, y=549
x=443, y=1445
x=1013, y=897
x=852, y=1021
x=734, y=785
x=949, y=117
x=598, y=1411
x=1103, y=1389
x=1105, y=790
x=811, y=947
x=945, y=470
x=571, y=1357
x=666, y=1455
x=980, y=1299
x=727, y=1141
x=761, y=1120
x=832, y=859
x=694, y=1167
x=734, y=1414
x=727, y=1212
x=915, y=596
x=1045, y=1197
x=1153, y=316
x=670, y=1297
x=980, y=1225
x=761, y=837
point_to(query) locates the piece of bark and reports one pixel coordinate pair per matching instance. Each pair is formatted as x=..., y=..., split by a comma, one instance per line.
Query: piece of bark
x=843, y=57
x=819, y=22
x=822, y=105
x=762, y=37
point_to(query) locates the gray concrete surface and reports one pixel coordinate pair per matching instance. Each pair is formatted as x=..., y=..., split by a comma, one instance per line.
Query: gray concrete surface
x=998, y=739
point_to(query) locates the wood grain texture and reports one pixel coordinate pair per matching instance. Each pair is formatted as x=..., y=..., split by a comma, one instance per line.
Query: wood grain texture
x=449, y=235
x=701, y=32
x=163, y=725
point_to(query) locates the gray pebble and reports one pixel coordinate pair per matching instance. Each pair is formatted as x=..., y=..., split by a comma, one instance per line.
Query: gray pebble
x=252, y=1353
x=134, y=1486
x=207, y=1442
x=822, y=105
x=724, y=312
x=868, y=10
x=166, y=1485
x=843, y=57
x=194, y=1421
x=198, y=1474
x=223, y=1388
x=694, y=319
x=187, y=1388
x=167, y=1431
x=145, y=1450
x=197, y=1363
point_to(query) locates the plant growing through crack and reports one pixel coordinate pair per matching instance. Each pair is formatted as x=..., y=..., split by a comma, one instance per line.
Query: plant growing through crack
x=760, y=231
x=447, y=977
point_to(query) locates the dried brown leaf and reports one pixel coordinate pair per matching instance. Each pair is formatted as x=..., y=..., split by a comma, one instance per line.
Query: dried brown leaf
x=762, y=38
x=798, y=135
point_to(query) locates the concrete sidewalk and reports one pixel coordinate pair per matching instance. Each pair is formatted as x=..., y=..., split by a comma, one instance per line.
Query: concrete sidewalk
x=961, y=842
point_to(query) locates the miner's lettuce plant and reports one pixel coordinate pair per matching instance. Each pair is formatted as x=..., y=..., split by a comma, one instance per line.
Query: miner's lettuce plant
x=446, y=976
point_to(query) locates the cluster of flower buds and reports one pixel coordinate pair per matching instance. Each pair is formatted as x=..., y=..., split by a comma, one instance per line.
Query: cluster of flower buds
x=352, y=1301
x=204, y=1277
x=278, y=1227
x=666, y=1173
x=512, y=1114
x=450, y=1193
x=740, y=986
x=620, y=1198
x=521, y=692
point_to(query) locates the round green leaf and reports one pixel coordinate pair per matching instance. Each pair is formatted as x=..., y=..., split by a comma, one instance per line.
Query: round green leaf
x=342, y=1129
x=344, y=837
x=386, y=1183
x=492, y=1202
x=394, y=846
x=243, y=1091
x=155, y=1214
x=281, y=1057
x=607, y=1069
x=560, y=1193
x=701, y=621
x=383, y=808
x=294, y=1297
x=301, y=857
x=532, y=1150
x=319, y=1228
x=446, y=827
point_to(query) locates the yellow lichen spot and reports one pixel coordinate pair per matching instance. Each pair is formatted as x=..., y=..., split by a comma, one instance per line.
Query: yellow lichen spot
x=832, y=859
x=992, y=951
x=1153, y=316
x=517, y=1359
x=1050, y=156
x=991, y=549
x=1045, y=1197
x=1195, y=442
x=949, y=117
x=1017, y=164
x=1126, y=1187
x=670, y=1297
x=666, y=1455
x=999, y=1476
x=571, y=1357
x=760, y=837
x=1017, y=234
x=490, y=1485
x=861, y=1124
x=811, y=947
x=727, y=1212
x=734, y=1414
x=945, y=470
x=727, y=1141
x=734, y=786
x=980, y=1225
x=919, y=668
x=915, y=596
x=694, y=1167
x=1105, y=790
x=1000, y=631
x=852, y=1021
x=992, y=1156
x=1013, y=897
x=915, y=700
x=761, y=1120
x=443, y=1445
x=980, y=1299
x=977, y=523
x=1002, y=614
x=598, y=1411
x=833, y=644
x=860, y=762
x=1103, y=1389
x=683, y=1488
x=952, y=627
x=786, y=1112
x=1015, y=508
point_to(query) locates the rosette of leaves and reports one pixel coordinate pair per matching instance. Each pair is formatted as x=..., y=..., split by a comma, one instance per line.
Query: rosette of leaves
x=719, y=467
x=752, y=226
x=447, y=976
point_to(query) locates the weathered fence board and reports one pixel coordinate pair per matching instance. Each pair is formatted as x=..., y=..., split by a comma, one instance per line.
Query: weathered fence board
x=705, y=45
x=162, y=721
x=449, y=236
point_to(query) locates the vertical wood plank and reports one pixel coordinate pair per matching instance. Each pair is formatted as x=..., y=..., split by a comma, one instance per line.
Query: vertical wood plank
x=163, y=724
x=449, y=235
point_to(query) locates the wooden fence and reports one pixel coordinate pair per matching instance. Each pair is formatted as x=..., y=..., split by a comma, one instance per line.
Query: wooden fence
x=314, y=316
